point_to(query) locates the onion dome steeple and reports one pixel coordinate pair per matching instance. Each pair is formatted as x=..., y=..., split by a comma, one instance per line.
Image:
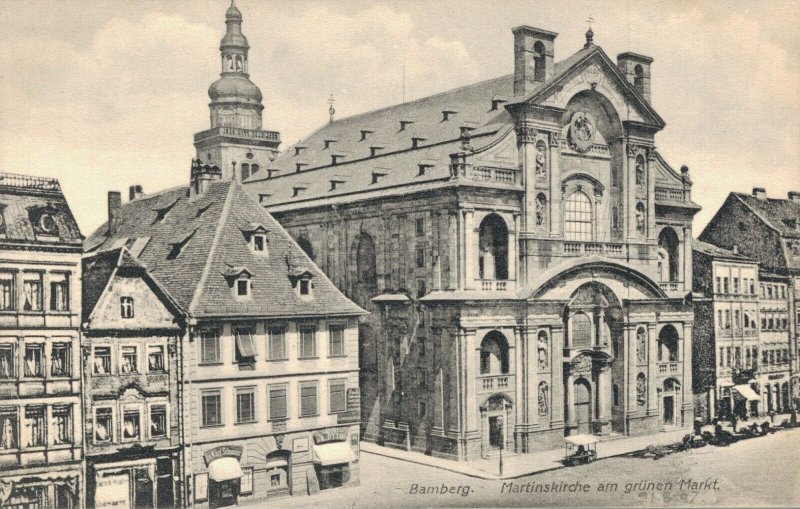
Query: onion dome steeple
x=235, y=100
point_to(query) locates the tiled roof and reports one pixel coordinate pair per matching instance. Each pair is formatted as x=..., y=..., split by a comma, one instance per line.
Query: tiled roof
x=718, y=252
x=195, y=274
x=24, y=200
x=778, y=213
x=374, y=142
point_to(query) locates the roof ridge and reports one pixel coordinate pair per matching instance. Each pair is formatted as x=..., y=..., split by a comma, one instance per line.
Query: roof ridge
x=219, y=227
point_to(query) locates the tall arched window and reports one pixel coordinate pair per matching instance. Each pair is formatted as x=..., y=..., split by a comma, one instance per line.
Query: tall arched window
x=493, y=245
x=578, y=218
x=306, y=246
x=366, y=273
x=668, y=250
x=581, y=330
x=254, y=169
x=538, y=61
x=245, y=171
x=494, y=354
x=668, y=344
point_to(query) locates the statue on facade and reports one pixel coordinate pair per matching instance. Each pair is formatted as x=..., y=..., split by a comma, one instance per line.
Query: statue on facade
x=540, y=159
x=541, y=344
x=543, y=409
x=641, y=389
x=641, y=344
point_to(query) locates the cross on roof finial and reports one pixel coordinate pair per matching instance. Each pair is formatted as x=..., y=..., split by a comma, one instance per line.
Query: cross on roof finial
x=589, y=33
x=331, y=110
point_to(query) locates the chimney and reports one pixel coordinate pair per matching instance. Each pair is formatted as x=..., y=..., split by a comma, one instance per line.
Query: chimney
x=794, y=196
x=760, y=193
x=533, y=57
x=114, y=206
x=636, y=70
x=135, y=192
x=201, y=177
x=735, y=249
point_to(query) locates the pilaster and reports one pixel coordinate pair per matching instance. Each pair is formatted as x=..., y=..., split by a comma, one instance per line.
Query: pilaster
x=554, y=157
x=629, y=178
x=557, y=379
x=526, y=141
x=652, y=395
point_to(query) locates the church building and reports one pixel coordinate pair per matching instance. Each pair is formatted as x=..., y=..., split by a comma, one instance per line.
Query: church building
x=524, y=249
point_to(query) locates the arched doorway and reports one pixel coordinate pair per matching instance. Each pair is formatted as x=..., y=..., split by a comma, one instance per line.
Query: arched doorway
x=278, y=466
x=583, y=405
x=670, y=403
x=497, y=425
x=493, y=245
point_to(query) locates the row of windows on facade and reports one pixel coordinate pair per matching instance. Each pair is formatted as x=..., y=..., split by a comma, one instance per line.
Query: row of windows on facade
x=743, y=320
x=34, y=362
x=128, y=359
x=748, y=286
x=33, y=296
x=42, y=426
x=277, y=406
x=731, y=357
x=245, y=348
x=771, y=291
x=137, y=423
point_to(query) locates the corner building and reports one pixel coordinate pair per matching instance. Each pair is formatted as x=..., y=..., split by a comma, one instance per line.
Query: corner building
x=524, y=249
x=41, y=439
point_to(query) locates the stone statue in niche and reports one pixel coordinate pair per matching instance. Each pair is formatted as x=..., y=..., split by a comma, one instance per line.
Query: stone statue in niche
x=541, y=210
x=641, y=389
x=641, y=344
x=541, y=159
x=541, y=346
x=640, y=171
x=543, y=408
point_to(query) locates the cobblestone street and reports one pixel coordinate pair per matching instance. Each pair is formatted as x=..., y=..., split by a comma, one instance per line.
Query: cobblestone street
x=745, y=474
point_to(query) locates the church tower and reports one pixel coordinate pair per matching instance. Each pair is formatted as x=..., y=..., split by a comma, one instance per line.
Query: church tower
x=236, y=142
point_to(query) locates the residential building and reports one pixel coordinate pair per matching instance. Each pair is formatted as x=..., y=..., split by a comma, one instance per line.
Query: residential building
x=525, y=250
x=775, y=343
x=727, y=347
x=768, y=230
x=132, y=332
x=268, y=369
x=41, y=435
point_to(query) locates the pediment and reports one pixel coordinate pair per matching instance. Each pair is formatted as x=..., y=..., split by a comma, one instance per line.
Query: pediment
x=596, y=72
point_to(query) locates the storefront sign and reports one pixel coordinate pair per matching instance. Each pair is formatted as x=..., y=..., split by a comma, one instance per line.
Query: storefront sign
x=330, y=435
x=348, y=417
x=113, y=490
x=300, y=445
x=353, y=399
x=233, y=451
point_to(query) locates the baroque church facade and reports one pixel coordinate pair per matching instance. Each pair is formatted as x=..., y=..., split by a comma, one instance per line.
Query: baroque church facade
x=524, y=250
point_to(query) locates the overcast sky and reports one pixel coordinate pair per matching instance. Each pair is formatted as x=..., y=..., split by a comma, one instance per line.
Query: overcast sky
x=107, y=94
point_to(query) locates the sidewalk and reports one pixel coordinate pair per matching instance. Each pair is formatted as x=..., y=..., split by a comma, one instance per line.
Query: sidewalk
x=518, y=465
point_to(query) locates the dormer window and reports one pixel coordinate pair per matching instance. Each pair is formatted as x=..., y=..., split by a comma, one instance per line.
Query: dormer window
x=329, y=142
x=305, y=287
x=405, y=123
x=373, y=150
x=423, y=167
x=365, y=133
x=497, y=101
x=446, y=114
x=416, y=140
x=300, y=278
x=243, y=287
x=256, y=235
x=377, y=175
x=259, y=243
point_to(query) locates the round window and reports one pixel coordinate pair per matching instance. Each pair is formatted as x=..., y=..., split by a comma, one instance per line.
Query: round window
x=47, y=223
x=249, y=155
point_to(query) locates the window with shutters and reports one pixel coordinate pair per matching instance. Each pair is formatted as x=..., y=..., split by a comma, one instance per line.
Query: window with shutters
x=336, y=396
x=245, y=348
x=277, y=402
x=336, y=341
x=59, y=292
x=245, y=405
x=209, y=347
x=308, y=343
x=276, y=347
x=211, y=402
x=308, y=399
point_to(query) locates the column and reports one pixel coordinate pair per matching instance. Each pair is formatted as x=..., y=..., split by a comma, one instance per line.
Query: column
x=686, y=258
x=532, y=368
x=556, y=376
x=513, y=243
x=604, y=399
x=470, y=249
x=632, y=371
x=570, y=422
x=470, y=382
x=520, y=372
x=554, y=156
x=650, y=168
x=526, y=141
x=652, y=395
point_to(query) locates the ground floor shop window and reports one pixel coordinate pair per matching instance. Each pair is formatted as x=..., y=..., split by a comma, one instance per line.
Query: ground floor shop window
x=224, y=493
x=333, y=476
x=45, y=494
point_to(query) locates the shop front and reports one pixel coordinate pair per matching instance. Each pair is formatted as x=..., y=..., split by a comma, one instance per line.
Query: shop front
x=332, y=456
x=222, y=484
x=141, y=483
x=47, y=490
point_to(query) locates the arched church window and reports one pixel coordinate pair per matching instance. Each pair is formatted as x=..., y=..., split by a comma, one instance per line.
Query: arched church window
x=228, y=63
x=641, y=218
x=638, y=79
x=581, y=330
x=306, y=246
x=238, y=63
x=494, y=354
x=668, y=254
x=668, y=344
x=254, y=169
x=245, y=171
x=366, y=272
x=541, y=210
x=578, y=220
x=538, y=61
x=640, y=171
x=493, y=244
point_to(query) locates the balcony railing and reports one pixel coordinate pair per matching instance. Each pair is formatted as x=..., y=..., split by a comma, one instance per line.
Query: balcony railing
x=238, y=132
x=495, y=382
x=495, y=285
x=667, y=367
x=29, y=182
x=492, y=174
x=593, y=248
x=665, y=193
x=670, y=286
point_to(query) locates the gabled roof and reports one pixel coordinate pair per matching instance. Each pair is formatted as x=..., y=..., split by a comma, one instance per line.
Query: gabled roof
x=774, y=212
x=100, y=268
x=196, y=277
x=719, y=252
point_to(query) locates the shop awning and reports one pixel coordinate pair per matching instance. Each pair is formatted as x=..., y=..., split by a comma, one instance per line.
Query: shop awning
x=333, y=453
x=747, y=392
x=244, y=342
x=224, y=469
